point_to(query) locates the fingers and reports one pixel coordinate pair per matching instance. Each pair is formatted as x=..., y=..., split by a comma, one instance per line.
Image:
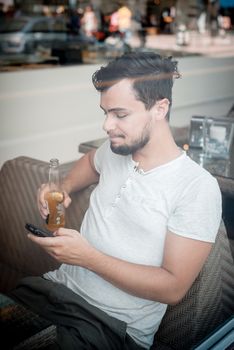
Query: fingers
x=50, y=242
x=42, y=241
x=65, y=232
x=41, y=201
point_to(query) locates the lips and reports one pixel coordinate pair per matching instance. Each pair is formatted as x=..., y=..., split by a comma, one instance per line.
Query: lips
x=115, y=136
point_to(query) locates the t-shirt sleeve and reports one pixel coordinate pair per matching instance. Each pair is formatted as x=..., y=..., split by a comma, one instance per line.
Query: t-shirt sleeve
x=100, y=155
x=198, y=214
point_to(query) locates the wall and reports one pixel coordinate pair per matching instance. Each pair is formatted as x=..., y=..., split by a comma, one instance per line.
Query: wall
x=206, y=88
x=46, y=113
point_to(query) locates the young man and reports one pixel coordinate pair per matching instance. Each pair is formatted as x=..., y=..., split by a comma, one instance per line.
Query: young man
x=152, y=219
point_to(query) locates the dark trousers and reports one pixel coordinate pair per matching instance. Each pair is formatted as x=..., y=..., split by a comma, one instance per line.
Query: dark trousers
x=79, y=325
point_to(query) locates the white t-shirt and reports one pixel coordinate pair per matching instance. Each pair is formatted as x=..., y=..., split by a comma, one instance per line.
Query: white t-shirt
x=129, y=214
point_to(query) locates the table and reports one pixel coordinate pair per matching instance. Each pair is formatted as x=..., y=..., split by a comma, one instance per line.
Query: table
x=87, y=146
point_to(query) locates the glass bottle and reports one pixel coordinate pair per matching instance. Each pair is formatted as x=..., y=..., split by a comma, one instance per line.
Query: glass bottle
x=54, y=197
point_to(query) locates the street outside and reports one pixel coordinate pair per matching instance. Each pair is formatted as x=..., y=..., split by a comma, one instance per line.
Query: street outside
x=203, y=44
x=198, y=44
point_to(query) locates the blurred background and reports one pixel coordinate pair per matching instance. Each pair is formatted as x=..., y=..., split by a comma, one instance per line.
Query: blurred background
x=49, y=50
x=83, y=31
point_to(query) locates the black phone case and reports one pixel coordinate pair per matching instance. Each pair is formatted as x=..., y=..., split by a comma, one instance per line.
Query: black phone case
x=38, y=231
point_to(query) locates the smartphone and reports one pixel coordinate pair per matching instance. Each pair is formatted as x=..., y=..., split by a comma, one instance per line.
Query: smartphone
x=38, y=231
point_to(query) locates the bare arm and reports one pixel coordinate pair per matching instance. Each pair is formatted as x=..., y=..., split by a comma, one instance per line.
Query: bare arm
x=81, y=175
x=183, y=260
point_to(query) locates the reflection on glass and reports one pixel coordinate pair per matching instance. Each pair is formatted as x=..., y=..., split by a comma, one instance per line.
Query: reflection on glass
x=213, y=165
x=213, y=135
x=211, y=142
x=218, y=138
x=219, y=167
x=197, y=127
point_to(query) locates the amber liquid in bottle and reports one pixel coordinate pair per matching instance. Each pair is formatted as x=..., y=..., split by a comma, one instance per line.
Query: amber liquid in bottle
x=54, y=198
x=56, y=217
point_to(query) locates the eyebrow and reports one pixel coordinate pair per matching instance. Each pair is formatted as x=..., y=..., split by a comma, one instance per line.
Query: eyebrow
x=116, y=109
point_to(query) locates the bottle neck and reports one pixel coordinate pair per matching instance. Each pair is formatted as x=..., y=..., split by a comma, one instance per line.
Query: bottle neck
x=54, y=178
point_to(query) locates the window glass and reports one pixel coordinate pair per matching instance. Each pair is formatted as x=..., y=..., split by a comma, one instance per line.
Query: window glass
x=11, y=26
x=59, y=26
x=41, y=26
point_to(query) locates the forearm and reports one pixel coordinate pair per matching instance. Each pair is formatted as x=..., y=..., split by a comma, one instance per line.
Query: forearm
x=148, y=282
x=81, y=175
x=182, y=261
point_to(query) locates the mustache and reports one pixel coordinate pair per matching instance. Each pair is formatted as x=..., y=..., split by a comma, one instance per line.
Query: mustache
x=111, y=134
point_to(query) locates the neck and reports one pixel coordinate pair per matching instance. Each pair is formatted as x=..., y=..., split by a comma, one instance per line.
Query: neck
x=160, y=149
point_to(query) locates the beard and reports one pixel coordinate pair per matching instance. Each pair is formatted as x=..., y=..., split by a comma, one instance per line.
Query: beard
x=135, y=145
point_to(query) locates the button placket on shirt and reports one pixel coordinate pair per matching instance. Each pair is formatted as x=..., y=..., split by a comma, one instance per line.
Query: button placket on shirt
x=132, y=176
x=122, y=190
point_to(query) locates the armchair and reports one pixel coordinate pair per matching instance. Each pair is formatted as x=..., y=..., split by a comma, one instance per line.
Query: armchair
x=207, y=304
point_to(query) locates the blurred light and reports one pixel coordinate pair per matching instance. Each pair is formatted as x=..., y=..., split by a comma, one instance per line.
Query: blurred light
x=46, y=10
x=60, y=9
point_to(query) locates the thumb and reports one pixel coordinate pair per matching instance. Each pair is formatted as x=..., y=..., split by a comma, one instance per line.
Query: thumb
x=63, y=232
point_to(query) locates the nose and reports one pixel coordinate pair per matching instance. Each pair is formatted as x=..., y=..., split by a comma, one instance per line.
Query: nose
x=109, y=124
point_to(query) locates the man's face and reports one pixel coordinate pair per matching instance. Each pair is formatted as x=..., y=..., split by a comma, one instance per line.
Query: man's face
x=127, y=122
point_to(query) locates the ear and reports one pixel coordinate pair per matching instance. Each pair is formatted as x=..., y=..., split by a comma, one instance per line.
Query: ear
x=160, y=109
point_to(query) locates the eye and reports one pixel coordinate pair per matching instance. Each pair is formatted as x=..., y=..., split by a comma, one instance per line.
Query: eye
x=121, y=115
